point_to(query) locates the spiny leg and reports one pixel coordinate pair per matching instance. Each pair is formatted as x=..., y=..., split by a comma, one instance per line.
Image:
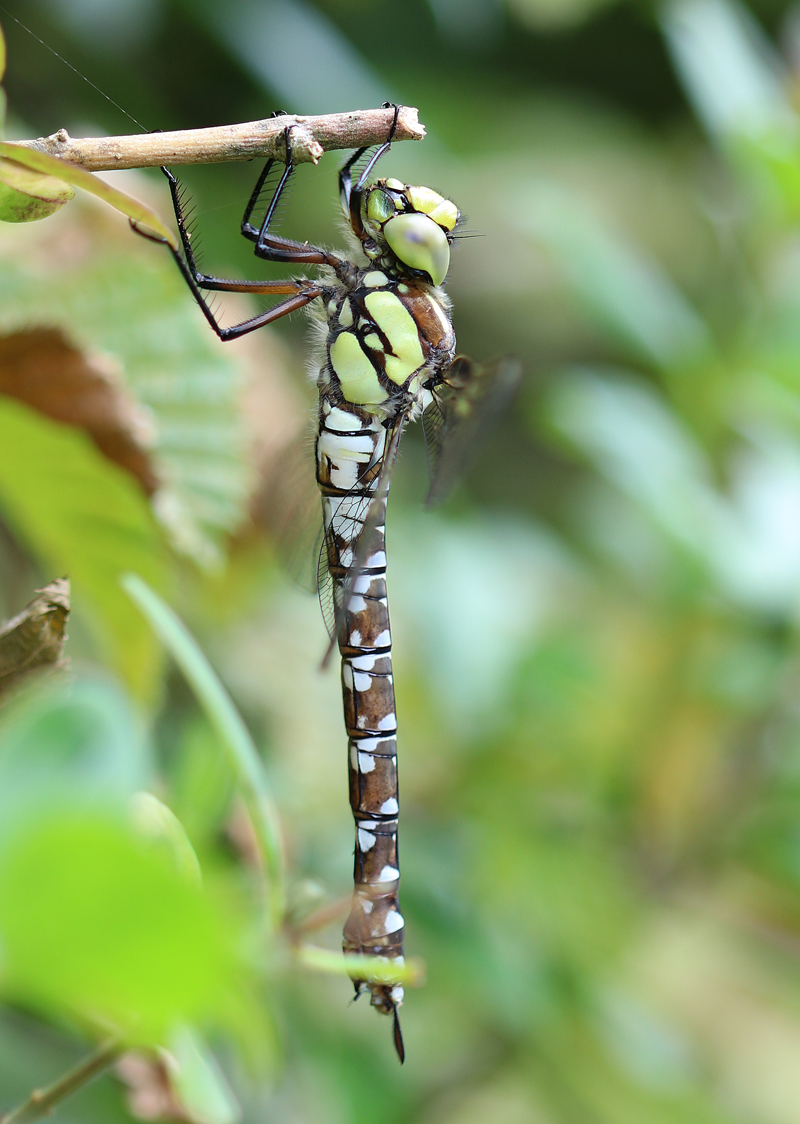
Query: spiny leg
x=300, y=292
x=351, y=196
x=271, y=247
x=259, y=234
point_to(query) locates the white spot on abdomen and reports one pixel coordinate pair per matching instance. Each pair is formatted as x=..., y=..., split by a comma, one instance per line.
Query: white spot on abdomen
x=389, y=807
x=365, y=839
x=394, y=921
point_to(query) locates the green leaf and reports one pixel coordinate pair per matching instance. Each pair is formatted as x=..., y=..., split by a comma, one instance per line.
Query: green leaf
x=83, y=516
x=26, y=196
x=160, y=826
x=125, y=299
x=411, y=973
x=78, y=177
x=627, y=292
x=69, y=744
x=2, y=72
x=201, y=783
x=228, y=723
x=738, y=84
x=93, y=922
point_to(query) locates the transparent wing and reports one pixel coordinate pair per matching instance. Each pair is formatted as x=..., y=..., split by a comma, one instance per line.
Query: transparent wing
x=466, y=405
x=352, y=537
x=287, y=505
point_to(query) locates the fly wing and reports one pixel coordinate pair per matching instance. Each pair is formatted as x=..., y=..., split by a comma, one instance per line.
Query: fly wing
x=355, y=521
x=466, y=405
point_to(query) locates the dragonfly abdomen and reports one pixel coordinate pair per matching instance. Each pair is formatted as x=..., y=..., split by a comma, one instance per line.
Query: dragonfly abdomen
x=350, y=449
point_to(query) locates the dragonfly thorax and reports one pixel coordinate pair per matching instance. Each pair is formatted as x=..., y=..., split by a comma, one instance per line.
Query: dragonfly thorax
x=387, y=341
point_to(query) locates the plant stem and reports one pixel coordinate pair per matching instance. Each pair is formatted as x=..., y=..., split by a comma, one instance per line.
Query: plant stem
x=41, y=1102
x=310, y=137
x=230, y=726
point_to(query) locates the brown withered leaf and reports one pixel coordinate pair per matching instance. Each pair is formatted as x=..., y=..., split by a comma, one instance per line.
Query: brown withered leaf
x=150, y=1095
x=34, y=639
x=41, y=368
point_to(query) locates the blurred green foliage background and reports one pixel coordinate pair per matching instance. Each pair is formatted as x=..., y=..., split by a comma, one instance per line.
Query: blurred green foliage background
x=597, y=660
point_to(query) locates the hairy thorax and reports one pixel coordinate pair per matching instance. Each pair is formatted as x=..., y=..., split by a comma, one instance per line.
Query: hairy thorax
x=386, y=339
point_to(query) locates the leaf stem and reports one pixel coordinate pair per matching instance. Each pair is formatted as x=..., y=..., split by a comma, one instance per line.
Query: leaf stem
x=379, y=968
x=41, y=1102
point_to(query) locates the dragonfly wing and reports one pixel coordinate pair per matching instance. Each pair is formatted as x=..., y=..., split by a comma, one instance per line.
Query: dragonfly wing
x=287, y=505
x=354, y=533
x=467, y=404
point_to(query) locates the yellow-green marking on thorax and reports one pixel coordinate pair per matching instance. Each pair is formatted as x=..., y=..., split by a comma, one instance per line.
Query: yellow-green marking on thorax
x=356, y=374
x=397, y=324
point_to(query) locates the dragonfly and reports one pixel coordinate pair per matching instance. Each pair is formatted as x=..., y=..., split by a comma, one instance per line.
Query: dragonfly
x=389, y=358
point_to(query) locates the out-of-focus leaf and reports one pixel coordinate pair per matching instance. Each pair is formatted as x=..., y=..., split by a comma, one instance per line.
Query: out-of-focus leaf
x=78, y=177
x=26, y=195
x=92, y=922
x=2, y=72
x=41, y=368
x=229, y=725
x=197, y=1080
x=86, y=517
x=34, y=639
x=551, y=15
x=123, y=297
x=739, y=87
x=95, y=922
x=750, y=540
x=627, y=292
x=73, y=745
x=157, y=823
x=411, y=973
x=729, y=68
x=202, y=784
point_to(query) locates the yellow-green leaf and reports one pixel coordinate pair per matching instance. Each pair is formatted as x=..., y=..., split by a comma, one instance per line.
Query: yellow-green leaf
x=79, y=177
x=83, y=516
x=94, y=923
x=26, y=195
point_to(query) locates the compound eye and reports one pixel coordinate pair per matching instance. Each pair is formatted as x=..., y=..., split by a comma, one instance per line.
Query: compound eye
x=380, y=206
x=418, y=242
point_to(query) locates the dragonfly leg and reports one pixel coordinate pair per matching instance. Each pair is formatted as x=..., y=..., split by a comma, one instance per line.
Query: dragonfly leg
x=269, y=246
x=299, y=292
x=351, y=196
x=302, y=293
x=248, y=230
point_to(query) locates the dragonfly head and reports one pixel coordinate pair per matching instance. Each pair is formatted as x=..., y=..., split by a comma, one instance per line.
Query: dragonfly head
x=414, y=224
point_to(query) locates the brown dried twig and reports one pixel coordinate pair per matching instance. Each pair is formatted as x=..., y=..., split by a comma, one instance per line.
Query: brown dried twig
x=310, y=137
x=41, y=1102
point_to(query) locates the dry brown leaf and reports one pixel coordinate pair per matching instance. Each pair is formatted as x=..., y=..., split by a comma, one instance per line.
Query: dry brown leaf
x=150, y=1095
x=41, y=368
x=34, y=639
